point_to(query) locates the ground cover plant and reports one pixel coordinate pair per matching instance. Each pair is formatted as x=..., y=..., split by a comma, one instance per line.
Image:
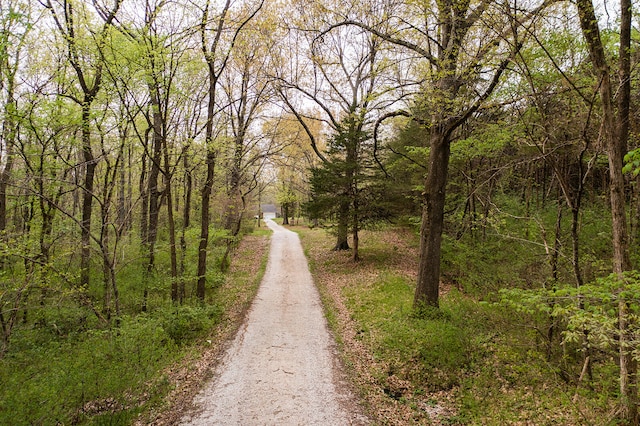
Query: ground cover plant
x=475, y=360
x=65, y=368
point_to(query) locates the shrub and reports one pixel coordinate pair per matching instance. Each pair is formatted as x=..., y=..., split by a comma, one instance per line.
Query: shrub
x=184, y=323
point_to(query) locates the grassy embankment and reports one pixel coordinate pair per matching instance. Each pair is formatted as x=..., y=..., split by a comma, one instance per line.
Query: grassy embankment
x=471, y=362
x=66, y=369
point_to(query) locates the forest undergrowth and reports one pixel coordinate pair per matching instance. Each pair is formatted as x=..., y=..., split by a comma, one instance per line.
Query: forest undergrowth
x=474, y=361
x=64, y=368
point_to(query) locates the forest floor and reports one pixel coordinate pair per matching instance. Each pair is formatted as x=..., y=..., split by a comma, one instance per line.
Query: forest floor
x=282, y=367
x=468, y=363
x=388, y=397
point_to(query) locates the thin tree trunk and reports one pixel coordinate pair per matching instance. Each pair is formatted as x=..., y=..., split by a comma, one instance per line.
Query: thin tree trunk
x=355, y=255
x=234, y=232
x=206, y=192
x=186, y=222
x=153, y=190
x=122, y=209
x=8, y=138
x=172, y=226
x=204, y=224
x=87, y=201
x=216, y=62
x=144, y=197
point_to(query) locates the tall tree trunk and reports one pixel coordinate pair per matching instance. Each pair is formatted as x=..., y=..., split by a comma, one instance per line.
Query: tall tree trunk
x=616, y=140
x=628, y=363
x=65, y=22
x=234, y=232
x=144, y=196
x=172, y=226
x=107, y=267
x=428, y=286
x=206, y=191
x=204, y=223
x=87, y=200
x=234, y=195
x=186, y=221
x=216, y=60
x=8, y=139
x=122, y=208
x=153, y=190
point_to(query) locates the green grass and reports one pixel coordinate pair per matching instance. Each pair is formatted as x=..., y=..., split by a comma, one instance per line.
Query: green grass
x=431, y=351
x=66, y=380
x=492, y=361
x=65, y=367
x=51, y=379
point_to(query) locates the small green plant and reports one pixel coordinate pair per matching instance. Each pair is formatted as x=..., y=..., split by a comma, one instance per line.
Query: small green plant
x=185, y=323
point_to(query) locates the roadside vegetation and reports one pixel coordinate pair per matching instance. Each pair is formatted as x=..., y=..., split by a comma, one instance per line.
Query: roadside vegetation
x=475, y=360
x=65, y=368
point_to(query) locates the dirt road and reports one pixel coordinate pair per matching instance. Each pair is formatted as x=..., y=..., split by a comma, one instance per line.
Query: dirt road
x=281, y=369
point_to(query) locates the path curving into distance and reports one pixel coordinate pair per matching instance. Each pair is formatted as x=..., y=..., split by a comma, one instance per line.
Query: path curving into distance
x=281, y=368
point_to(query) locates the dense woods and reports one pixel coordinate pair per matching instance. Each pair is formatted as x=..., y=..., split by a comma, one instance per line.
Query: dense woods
x=139, y=139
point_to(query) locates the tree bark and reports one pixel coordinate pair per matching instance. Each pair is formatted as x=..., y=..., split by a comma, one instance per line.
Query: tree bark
x=87, y=195
x=144, y=195
x=214, y=70
x=615, y=137
x=186, y=222
x=342, y=242
x=154, y=174
x=204, y=224
x=8, y=139
x=122, y=208
x=172, y=226
x=206, y=189
x=428, y=286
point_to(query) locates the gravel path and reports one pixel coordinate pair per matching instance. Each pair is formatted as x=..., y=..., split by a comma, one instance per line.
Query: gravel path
x=281, y=369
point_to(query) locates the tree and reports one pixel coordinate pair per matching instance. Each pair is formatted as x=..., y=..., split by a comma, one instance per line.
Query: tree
x=348, y=70
x=15, y=24
x=217, y=51
x=465, y=49
x=248, y=91
x=335, y=183
x=89, y=73
x=615, y=125
x=162, y=52
x=293, y=159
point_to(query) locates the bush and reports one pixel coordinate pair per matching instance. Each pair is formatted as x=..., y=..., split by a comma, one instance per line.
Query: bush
x=184, y=323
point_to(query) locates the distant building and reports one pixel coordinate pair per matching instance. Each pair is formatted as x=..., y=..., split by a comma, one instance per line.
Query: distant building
x=268, y=211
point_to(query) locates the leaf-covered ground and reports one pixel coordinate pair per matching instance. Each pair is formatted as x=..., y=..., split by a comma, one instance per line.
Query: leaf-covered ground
x=389, y=397
x=469, y=363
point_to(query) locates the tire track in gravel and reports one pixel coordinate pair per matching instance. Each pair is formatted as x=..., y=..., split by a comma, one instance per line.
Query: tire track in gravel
x=281, y=368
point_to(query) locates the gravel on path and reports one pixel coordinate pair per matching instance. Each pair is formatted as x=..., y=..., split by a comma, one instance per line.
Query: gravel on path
x=282, y=367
